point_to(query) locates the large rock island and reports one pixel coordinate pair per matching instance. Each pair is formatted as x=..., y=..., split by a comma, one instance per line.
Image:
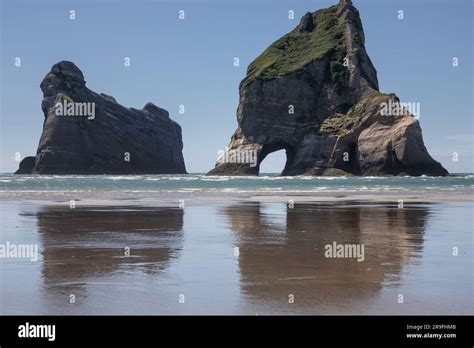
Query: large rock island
x=314, y=93
x=89, y=133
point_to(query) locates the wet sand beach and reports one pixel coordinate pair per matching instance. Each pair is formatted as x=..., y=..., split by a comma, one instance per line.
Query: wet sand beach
x=239, y=254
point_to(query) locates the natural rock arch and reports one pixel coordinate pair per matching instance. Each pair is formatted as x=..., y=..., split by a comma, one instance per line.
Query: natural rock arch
x=314, y=92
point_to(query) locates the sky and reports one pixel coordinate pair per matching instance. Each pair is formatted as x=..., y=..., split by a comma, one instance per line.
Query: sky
x=190, y=62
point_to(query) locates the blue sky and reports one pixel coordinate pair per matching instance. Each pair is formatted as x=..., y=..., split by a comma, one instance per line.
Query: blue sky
x=190, y=62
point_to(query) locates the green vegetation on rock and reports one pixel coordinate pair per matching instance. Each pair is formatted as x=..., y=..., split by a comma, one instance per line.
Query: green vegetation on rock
x=340, y=124
x=298, y=48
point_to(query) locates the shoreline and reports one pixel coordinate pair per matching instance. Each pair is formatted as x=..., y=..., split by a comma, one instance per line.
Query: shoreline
x=172, y=198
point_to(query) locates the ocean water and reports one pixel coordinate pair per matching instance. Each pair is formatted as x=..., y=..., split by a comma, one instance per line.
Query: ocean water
x=200, y=182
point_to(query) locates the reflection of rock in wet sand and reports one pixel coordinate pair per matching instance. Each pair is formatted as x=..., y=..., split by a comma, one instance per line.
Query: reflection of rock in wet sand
x=83, y=244
x=278, y=259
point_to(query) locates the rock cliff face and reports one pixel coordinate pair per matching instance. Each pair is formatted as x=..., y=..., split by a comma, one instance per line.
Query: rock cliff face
x=314, y=92
x=89, y=133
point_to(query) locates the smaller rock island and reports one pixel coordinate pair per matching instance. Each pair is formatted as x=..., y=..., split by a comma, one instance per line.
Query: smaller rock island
x=89, y=133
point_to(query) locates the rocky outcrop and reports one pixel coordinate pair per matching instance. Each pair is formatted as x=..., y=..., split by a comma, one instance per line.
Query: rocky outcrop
x=314, y=92
x=26, y=165
x=89, y=133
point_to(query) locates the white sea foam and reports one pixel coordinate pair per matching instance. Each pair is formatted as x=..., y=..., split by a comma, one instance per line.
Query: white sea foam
x=131, y=177
x=179, y=178
x=215, y=179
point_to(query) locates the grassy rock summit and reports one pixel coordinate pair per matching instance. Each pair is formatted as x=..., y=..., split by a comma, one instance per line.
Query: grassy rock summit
x=314, y=93
x=89, y=133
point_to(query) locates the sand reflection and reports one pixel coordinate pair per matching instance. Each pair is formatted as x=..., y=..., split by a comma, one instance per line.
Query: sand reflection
x=84, y=244
x=279, y=257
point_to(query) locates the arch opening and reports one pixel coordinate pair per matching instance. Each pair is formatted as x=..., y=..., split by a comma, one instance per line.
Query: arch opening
x=276, y=159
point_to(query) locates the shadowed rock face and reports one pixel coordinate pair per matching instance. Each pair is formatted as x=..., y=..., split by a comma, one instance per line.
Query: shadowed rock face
x=111, y=140
x=314, y=92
